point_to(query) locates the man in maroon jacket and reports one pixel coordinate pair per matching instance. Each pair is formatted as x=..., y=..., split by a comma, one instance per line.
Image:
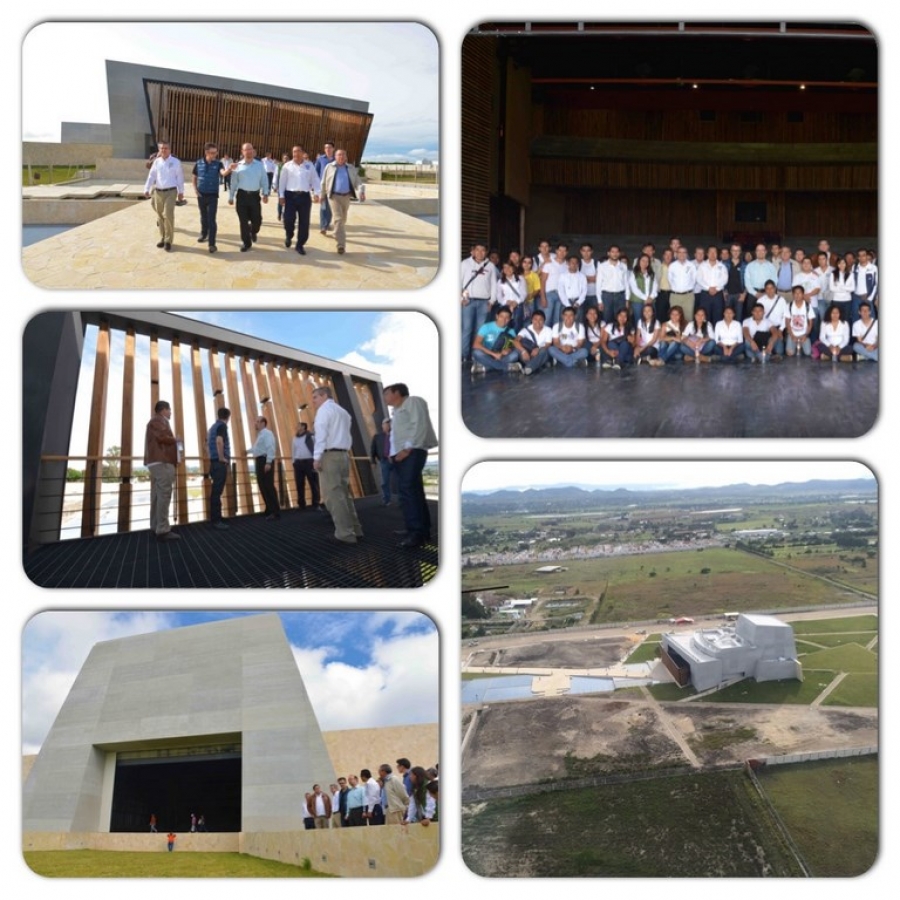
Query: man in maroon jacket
x=160, y=458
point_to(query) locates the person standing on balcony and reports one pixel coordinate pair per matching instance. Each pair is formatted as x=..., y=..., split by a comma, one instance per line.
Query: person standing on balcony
x=412, y=436
x=331, y=459
x=219, y=457
x=264, y=452
x=160, y=458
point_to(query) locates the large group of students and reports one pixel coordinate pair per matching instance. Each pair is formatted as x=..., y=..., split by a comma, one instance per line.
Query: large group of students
x=725, y=304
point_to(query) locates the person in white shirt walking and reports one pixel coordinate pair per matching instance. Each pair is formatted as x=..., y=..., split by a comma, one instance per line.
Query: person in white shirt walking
x=165, y=184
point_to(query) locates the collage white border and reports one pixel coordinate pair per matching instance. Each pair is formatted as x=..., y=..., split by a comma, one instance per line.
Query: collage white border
x=459, y=448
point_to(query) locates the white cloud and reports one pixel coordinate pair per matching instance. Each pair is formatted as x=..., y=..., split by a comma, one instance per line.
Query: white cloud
x=54, y=648
x=404, y=347
x=399, y=687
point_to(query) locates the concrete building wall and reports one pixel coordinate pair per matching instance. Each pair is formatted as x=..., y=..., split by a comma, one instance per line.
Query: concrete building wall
x=84, y=133
x=44, y=153
x=368, y=748
x=178, y=688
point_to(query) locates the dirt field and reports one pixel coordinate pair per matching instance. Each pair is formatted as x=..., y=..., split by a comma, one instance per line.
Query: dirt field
x=558, y=737
x=578, y=653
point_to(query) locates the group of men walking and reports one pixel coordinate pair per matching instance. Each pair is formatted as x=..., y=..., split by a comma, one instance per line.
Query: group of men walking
x=331, y=182
x=320, y=458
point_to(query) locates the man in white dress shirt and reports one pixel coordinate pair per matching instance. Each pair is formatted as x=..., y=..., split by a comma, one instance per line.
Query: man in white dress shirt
x=682, y=278
x=264, y=452
x=412, y=436
x=612, y=280
x=331, y=459
x=165, y=184
x=298, y=189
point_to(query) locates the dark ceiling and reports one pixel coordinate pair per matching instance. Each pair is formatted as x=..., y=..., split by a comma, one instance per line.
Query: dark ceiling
x=735, y=55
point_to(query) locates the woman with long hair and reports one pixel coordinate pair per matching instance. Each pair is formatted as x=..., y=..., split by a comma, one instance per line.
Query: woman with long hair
x=421, y=803
x=532, y=286
x=842, y=286
x=834, y=337
x=646, y=337
x=593, y=332
x=642, y=286
x=669, y=340
x=617, y=341
x=697, y=340
x=509, y=291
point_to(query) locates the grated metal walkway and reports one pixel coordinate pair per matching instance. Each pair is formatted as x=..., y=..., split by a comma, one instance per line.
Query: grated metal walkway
x=296, y=551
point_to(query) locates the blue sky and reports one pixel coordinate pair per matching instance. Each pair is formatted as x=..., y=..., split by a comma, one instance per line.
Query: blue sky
x=361, y=669
x=392, y=65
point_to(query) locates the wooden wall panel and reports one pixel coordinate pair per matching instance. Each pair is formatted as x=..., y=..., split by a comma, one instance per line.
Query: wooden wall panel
x=238, y=441
x=639, y=212
x=181, y=495
x=479, y=137
x=837, y=216
x=126, y=441
x=699, y=176
x=672, y=124
x=96, y=432
x=189, y=117
x=201, y=423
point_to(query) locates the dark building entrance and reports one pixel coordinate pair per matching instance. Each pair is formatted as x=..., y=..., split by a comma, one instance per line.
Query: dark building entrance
x=173, y=784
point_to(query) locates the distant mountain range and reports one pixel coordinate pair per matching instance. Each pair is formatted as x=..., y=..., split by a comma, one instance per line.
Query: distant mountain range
x=571, y=495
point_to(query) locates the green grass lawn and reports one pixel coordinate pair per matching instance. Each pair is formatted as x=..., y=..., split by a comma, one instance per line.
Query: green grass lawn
x=736, y=580
x=646, y=650
x=114, y=864
x=670, y=691
x=855, y=690
x=843, y=844
x=687, y=826
x=750, y=691
x=52, y=174
x=834, y=626
x=846, y=658
x=835, y=640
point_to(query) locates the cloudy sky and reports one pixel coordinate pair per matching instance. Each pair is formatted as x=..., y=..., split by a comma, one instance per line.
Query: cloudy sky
x=392, y=65
x=653, y=475
x=361, y=669
x=399, y=346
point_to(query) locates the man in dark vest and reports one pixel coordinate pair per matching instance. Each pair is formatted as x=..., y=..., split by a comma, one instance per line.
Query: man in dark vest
x=206, y=176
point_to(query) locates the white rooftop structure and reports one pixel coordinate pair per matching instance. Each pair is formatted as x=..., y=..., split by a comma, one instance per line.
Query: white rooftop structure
x=756, y=646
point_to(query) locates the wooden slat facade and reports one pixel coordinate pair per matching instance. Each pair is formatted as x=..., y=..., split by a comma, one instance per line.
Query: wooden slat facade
x=189, y=117
x=636, y=158
x=275, y=388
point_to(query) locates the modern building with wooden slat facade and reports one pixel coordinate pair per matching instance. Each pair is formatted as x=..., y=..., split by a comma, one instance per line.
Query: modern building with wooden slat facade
x=198, y=368
x=149, y=104
x=723, y=131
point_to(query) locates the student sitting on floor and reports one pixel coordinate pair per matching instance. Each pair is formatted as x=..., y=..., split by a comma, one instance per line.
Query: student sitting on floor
x=617, y=341
x=729, y=337
x=494, y=346
x=568, y=341
x=535, y=341
x=761, y=338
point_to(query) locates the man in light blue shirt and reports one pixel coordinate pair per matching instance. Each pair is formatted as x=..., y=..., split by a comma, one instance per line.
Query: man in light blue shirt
x=758, y=273
x=264, y=452
x=248, y=181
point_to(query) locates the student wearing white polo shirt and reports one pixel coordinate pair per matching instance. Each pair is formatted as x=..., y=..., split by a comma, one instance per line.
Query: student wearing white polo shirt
x=535, y=340
x=865, y=334
x=762, y=340
x=799, y=324
x=568, y=341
